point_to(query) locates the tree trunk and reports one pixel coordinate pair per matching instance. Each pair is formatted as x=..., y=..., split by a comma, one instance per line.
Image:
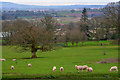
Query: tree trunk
x=66, y=44
x=34, y=50
x=82, y=44
x=76, y=43
x=98, y=43
x=72, y=43
x=34, y=55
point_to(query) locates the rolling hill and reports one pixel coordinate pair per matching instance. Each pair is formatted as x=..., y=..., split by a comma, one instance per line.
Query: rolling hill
x=14, y=6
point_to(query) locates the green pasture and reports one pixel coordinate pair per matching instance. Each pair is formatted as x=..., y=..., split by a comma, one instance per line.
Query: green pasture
x=92, y=43
x=67, y=57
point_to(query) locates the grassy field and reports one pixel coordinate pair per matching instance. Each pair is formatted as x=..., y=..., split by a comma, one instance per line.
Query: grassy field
x=93, y=43
x=67, y=57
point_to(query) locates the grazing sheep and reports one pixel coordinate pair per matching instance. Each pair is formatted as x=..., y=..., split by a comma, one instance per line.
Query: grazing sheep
x=12, y=67
x=29, y=65
x=113, y=68
x=3, y=59
x=80, y=68
x=14, y=59
x=54, y=68
x=89, y=69
x=61, y=69
x=77, y=68
x=85, y=67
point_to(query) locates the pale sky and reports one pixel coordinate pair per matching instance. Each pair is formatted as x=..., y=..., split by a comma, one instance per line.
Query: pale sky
x=61, y=2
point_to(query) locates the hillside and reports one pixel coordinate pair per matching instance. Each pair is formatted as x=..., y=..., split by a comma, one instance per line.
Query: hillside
x=14, y=6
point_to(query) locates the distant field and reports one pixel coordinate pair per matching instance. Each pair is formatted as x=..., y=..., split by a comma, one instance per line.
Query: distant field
x=67, y=57
x=93, y=43
x=66, y=20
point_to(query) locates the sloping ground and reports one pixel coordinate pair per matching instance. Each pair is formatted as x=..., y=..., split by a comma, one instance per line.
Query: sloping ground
x=67, y=57
x=109, y=60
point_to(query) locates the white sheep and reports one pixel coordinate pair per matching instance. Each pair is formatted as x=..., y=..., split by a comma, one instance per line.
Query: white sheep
x=3, y=59
x=29, y=65
x=80, y=68
x=89, y=69
x=12, y=67
x=54, y=68
x=113, y=68
x=14, y=59
x=77, y=68
x=61, y=69
x=85, y=67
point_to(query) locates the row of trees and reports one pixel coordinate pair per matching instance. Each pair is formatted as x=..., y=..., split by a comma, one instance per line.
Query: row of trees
x=18, y=14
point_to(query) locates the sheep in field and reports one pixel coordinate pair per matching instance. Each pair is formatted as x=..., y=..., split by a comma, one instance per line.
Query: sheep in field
x=54, y=68
x=79, y=68
x=89, y=69
x=114, y=68
x=14, y=59
x=61, y=69
x=85, y=67
x=3, y=59
x=29, y=65
x=12, y=67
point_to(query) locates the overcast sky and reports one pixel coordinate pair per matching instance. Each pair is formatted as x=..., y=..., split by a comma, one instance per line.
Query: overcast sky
x=61, y=2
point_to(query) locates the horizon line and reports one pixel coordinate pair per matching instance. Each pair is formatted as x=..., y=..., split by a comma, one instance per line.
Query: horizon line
x=78, y=3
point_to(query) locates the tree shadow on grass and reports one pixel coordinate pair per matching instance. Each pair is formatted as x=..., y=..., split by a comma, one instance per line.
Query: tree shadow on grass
x=109, y=60
x=33, y=58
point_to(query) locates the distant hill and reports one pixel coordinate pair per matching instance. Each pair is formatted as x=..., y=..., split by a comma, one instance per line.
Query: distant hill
x=14, y=6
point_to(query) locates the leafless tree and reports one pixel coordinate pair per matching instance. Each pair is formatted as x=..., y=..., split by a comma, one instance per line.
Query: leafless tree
x=30, y=37
x=76, y=36
x=112, y=15
x=49, y=23
x=10, y=27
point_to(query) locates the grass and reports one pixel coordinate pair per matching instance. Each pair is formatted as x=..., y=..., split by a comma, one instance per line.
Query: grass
x=93, y=43
x=67, y=20
x=66, y=57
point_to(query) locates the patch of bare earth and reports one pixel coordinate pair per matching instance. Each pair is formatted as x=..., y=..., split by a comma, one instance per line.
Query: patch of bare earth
x=109, y=60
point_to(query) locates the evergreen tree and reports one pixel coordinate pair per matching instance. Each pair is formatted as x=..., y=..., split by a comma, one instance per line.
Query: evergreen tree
x=84, y=15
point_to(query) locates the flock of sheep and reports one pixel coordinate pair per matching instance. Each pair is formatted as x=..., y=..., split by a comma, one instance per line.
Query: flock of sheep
x=85, y=67
x=78, y=68
x=12, y=67
x=54, y=69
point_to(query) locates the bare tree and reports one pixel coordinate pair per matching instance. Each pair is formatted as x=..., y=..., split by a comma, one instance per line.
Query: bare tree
x=112, y=15
x=5, y=29
x=83, y=26
x=100, y=34
x=49, y=23
x=30, y=37
x=10, y=27
x=76, y=36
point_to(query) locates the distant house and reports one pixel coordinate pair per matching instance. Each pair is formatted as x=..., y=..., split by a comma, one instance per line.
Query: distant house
x=92, y=31
x=60, y=32
x=1, y=35
x=4, y=34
